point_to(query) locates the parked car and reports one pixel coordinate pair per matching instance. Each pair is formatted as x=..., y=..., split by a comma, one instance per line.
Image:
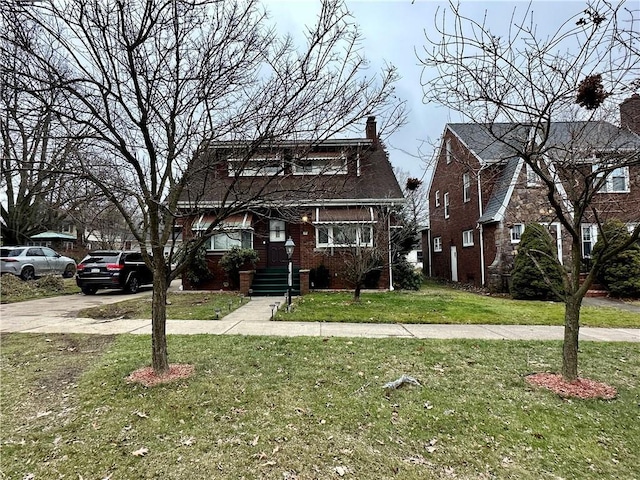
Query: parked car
x=31, y=262
x=113, y=269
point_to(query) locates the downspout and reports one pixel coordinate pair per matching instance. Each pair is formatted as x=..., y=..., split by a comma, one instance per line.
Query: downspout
x=429, y=250
x=389, y=248
x=481, y=226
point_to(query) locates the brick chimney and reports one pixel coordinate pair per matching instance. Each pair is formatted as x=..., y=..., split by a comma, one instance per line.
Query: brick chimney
x=629, y=113
x=370, y=129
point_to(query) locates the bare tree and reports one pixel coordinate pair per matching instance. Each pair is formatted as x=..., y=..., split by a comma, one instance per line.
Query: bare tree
x=364, y=250
x=415, y=191
x=545, y=99
x=37, y=146
x=159, y=81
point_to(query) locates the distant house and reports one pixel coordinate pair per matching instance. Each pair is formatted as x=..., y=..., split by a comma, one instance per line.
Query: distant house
x=482, y=195
x=326, y=196
x=60, y=241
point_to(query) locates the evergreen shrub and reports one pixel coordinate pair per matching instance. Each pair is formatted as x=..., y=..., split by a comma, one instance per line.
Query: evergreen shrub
x=235, y=259
x=405, y=276
x=531, y=281
x=621, y=273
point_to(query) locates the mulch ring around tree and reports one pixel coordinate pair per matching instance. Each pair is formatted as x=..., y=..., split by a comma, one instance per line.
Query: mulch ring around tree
x=582, y=388
x=147, y=377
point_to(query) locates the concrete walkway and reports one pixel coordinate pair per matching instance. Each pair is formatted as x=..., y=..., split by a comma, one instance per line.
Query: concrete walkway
x=59, y=315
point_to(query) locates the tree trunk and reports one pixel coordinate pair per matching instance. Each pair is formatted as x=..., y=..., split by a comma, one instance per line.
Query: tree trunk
x=571, y=329
x=159, y=355
x=572, y=302
x=356, y=293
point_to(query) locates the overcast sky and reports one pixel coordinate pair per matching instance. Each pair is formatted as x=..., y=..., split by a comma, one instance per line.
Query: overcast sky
x=393, y=30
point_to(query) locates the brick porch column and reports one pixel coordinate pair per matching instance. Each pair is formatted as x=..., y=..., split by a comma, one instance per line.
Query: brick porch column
x=304, y=281
x=246, y=279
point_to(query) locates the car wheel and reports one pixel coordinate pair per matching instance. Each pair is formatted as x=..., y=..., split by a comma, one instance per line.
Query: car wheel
x=27, y=273
x=89, y=290
x=69, y=271
x=133, y=285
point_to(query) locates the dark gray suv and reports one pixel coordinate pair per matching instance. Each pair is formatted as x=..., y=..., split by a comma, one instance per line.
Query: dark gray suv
x=112, y=269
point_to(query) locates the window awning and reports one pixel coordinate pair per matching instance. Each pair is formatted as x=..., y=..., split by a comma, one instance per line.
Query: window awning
x=240, y=221
x=343, y=215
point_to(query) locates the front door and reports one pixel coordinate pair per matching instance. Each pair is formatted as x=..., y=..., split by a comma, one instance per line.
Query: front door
x=556, y=233
x=454, y=264
x=276, y=254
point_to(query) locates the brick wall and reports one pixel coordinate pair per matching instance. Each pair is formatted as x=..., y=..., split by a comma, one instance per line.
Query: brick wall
x=448, y=177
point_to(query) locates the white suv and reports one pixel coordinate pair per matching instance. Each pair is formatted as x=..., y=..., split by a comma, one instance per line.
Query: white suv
x=31, y=262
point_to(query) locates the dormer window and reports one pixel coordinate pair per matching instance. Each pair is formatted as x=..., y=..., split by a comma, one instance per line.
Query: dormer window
x=320, y=164
x=262, y=166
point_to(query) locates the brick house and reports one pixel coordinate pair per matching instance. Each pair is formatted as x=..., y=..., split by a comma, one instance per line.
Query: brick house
x=482, y=194
x=327, y=196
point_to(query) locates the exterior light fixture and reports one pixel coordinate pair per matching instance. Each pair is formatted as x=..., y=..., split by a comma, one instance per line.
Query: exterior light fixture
x=289, y=246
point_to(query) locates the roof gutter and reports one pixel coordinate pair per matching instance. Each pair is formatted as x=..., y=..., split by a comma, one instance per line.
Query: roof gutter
x=391, y=202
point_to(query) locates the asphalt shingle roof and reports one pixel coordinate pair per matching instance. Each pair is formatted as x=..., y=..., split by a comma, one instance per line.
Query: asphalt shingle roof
x=376, y=181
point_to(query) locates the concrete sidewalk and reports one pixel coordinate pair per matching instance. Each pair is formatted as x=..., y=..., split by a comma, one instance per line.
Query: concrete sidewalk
x=253, y=318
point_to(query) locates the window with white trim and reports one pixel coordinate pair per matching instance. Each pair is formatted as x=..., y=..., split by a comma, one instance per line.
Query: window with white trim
x=256, y=167
x=467, y=238
x=276, y=230
x=466, y=187
x=617, y=181
x=224, y=241
x=516, y=232
x=344, y=236
x=437, y=244
x=446, y=205
x=447, y=147
x=320, y=165
x=437, y=200
x=533, y=179
x=589, y=238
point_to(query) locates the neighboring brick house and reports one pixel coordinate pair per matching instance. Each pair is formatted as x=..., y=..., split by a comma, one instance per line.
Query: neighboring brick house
x=325, y=196
x=482, y=195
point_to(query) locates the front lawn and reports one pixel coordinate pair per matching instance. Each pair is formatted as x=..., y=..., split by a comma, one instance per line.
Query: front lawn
x=440, y=304
x=183, y=306
x=302, y=408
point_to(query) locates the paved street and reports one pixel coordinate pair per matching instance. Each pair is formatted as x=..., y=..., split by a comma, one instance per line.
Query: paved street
x=60, y=315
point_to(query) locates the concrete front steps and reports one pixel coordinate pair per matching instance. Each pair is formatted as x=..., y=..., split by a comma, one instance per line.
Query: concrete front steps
x=273, y=282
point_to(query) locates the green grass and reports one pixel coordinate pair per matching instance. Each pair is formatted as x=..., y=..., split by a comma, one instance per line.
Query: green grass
x=184, y=306
x=439, y=304
x=13, y=289
x=274, y=408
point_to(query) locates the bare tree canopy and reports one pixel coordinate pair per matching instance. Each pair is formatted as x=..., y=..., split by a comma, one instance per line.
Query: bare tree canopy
x=548, y=101
x=37, y=146
x=151, y=83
